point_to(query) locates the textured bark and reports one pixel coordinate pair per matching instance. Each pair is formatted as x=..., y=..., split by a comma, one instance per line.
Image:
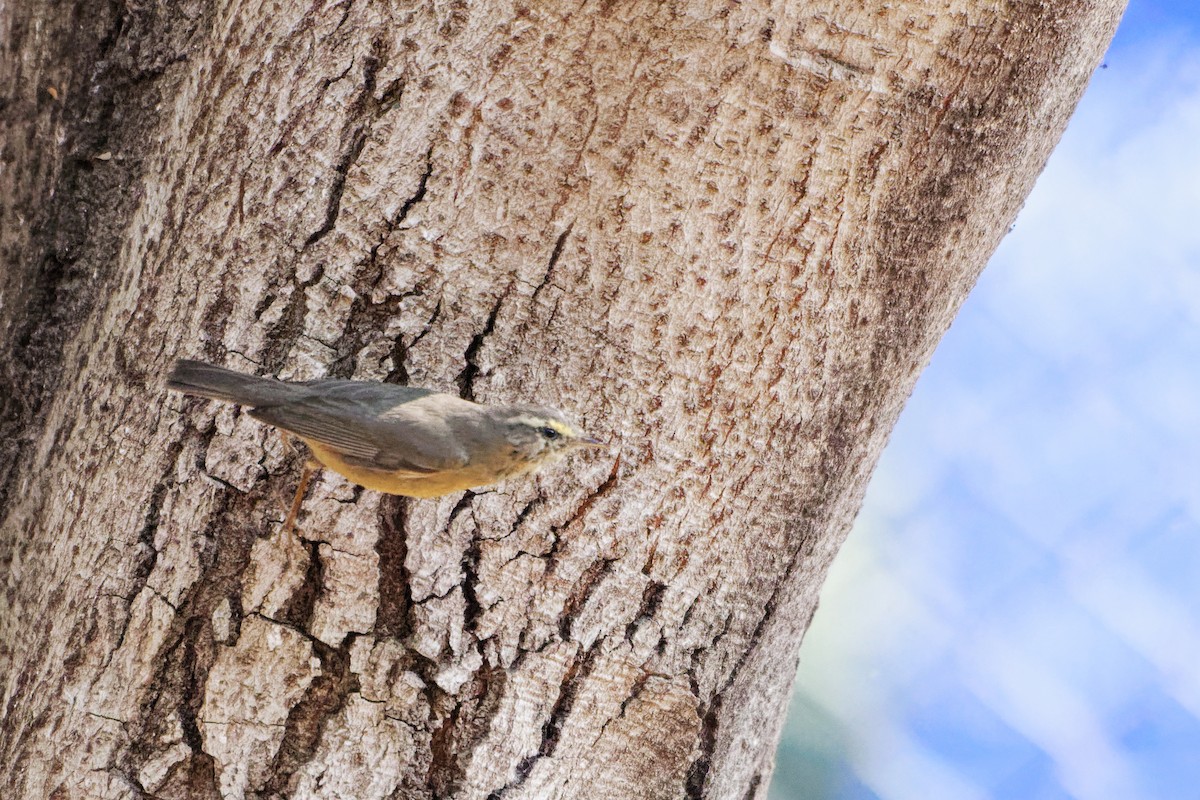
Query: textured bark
x=726, y=236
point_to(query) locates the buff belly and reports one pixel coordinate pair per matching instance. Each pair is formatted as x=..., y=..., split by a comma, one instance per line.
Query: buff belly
x=403, y=483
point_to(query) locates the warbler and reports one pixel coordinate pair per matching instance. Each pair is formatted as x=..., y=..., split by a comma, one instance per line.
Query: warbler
x=395, y=439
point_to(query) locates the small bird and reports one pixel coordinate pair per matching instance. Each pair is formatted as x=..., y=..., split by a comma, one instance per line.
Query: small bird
x=395, y=439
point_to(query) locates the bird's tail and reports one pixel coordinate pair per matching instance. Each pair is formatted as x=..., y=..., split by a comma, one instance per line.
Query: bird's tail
x=218, y=383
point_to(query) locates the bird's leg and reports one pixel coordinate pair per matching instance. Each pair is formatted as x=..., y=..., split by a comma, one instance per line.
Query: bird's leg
x=289, y=443
x=306, y=474
x=310, y=466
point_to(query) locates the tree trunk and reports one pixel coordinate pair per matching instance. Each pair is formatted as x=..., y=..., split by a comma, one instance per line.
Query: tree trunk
x=724, y=236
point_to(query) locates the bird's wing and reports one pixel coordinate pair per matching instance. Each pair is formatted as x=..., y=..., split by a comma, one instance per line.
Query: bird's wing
x=378, y=426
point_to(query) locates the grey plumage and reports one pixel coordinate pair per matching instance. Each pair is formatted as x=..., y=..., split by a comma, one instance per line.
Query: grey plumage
x=399, y=439
x=375, y=425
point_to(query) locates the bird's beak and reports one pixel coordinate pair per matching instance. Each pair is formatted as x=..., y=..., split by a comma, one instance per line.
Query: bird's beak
x=588, y=441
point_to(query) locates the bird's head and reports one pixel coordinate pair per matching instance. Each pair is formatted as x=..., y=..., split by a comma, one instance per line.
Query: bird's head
x=536, y=434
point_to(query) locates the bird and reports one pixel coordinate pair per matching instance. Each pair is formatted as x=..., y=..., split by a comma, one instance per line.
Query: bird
x=400, y=440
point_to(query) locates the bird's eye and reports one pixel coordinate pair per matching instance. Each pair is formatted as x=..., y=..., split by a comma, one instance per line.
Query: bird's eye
x=549, y=433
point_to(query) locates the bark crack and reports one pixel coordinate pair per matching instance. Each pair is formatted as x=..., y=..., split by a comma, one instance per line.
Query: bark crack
x=579, y=671
x=555, y=254
x=755, y=783
x=178, y=688
x=471, y=607
x=522, y=515
x=333, y=206
x=391, y=615
x=192, y=687
x=417, y=196
x=299, y=609
x=139, y=791
x=400, y=350
x=364, y=106
x=584, y=506
x=324, y=698
x=290, y=325
x=697, y=774
x=591, y=578
x=148, y=556
x=652, y=597
x=455, y=741
x=635, y=692
x=369, y=264
x=466, y=378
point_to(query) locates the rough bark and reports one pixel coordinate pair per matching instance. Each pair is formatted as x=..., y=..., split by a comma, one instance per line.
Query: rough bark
x=726, y=236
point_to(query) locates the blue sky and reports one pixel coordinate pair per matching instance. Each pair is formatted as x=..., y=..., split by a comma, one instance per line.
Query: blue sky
x=1017, y=612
